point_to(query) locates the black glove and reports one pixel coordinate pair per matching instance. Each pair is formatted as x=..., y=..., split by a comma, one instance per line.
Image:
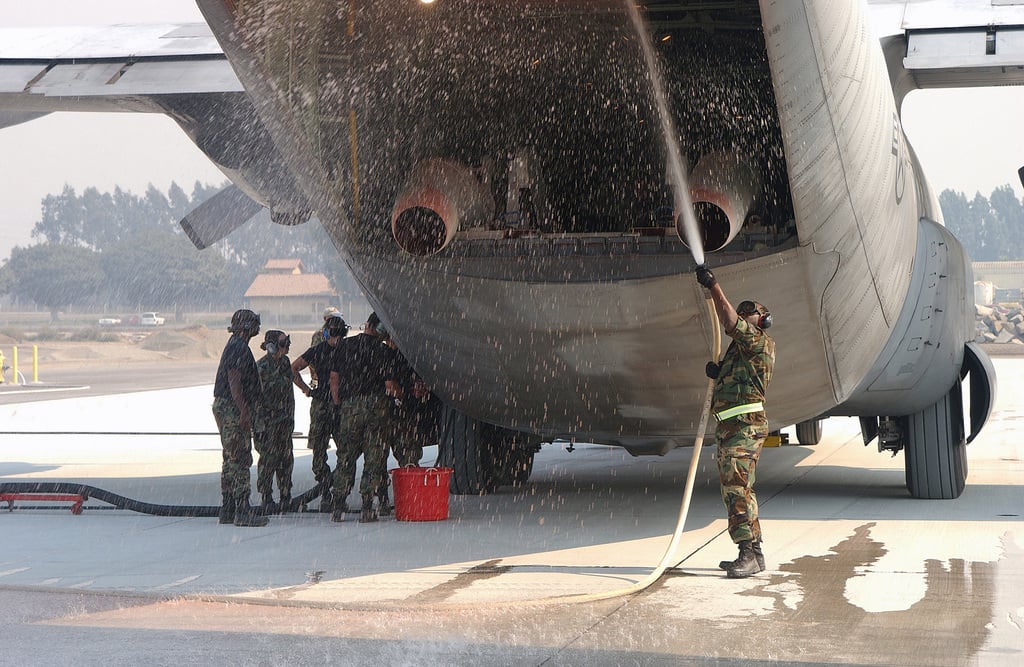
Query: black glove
x=711, y=370
x=705, y=277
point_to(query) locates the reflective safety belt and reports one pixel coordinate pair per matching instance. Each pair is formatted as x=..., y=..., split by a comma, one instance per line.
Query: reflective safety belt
x=739, y=410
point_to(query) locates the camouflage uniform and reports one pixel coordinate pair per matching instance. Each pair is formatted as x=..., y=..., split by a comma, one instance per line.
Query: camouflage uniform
x=364, y=427
x=236, y=451
x=323, y=416
x=402, y=418
x=362, y=364
x=743, y=377
x=323, y=425
x=275, y=421
x=236, y=444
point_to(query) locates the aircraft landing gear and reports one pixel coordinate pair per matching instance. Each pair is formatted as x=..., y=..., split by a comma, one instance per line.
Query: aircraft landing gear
x=809, y=432
x=936, y=449
x=933, y=443
x=482, y=457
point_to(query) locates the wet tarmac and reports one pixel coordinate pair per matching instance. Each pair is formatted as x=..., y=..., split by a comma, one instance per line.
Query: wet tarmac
x=858, y=572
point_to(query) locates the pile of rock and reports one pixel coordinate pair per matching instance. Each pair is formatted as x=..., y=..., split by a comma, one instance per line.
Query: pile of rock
x=999, y=324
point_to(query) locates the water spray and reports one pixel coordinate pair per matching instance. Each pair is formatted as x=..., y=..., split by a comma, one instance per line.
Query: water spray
x=685, y=217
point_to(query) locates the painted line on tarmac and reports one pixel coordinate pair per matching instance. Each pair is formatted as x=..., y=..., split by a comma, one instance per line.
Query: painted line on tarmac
x=23, y=389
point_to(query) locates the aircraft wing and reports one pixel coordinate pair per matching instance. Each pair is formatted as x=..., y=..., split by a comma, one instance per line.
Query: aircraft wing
x=113, y=68
x=951, y=43
x=173, y=69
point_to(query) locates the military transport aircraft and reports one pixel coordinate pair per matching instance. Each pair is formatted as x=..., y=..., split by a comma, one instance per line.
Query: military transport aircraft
x=494, y=175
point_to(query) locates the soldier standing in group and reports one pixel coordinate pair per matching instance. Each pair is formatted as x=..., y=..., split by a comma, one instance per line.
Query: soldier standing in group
x=738, y=404
x=323, y=413
x=413, y=409
x=236, y=392
x=398, y=426
x=363, y=380
x=320, y=336
x=275, y=422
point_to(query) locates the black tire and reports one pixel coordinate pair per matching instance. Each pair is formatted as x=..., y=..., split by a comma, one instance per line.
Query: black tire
x=513, y=464
x=935, y=452
x=461, y=448
x=809, y=432
x=524, y=467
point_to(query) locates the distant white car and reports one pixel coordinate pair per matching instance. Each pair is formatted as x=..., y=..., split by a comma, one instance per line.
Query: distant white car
x=151, y=320
x=109, y=321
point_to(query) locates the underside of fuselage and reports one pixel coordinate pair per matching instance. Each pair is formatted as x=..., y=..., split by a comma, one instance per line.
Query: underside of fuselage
x=495, y=176
x=561, y=299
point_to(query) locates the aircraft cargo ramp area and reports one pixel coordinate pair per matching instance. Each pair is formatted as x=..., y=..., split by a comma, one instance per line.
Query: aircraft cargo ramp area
x=858, y=572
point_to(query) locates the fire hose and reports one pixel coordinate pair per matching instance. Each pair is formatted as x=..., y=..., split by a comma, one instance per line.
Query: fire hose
x=122, y=503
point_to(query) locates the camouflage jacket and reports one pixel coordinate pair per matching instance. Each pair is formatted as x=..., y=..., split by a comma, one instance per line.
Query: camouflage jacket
x=746, y=368
x=278, y=402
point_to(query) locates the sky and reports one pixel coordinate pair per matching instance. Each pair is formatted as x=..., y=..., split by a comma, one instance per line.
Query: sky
x=967, y=140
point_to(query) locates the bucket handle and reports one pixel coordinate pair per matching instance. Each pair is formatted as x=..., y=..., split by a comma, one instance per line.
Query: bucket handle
x=426, y=473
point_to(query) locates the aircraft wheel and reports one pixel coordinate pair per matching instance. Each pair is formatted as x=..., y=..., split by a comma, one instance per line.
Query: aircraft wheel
x=524, y=466
x=461, y=447
x=809, y=432
x=514, y=464
x=935, y=451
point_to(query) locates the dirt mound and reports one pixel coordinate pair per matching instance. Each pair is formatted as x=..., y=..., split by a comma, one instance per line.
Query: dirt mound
x=193, y=343
x=165, y=341
x=70, y=352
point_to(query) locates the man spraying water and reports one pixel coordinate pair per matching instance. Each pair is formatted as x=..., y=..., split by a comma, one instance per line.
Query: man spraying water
x=743, y=374
x=741, y=379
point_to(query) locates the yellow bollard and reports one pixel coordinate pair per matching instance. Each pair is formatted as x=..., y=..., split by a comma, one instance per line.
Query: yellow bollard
x=14, y=364
x=35, y=364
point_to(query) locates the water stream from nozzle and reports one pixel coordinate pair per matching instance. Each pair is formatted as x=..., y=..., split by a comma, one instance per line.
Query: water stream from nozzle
x=677, y=172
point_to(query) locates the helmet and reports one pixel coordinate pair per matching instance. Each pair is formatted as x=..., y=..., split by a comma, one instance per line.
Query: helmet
x=245, y=320
x=330, y=311
x=336, y=326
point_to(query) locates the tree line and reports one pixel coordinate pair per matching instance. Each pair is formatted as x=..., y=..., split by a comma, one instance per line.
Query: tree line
x=991, y=229
x=122, y=251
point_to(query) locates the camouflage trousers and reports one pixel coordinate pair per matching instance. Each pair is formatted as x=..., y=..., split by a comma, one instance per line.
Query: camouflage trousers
x=236, y=450
x=364, y=429
x=739, y=447
x=277, y=459
x=323, y=425
x=403, y=438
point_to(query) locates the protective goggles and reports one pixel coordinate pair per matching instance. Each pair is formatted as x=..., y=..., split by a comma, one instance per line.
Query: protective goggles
x=747, y=308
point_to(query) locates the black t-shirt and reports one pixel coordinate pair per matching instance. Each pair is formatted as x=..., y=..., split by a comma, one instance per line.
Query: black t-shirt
x=237, y=355
x=362, y=364
x=398, y=368
x=321, y=358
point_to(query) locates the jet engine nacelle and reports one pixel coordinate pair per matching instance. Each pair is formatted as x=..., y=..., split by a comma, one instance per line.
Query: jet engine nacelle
x=439, y=196
x=724, y=189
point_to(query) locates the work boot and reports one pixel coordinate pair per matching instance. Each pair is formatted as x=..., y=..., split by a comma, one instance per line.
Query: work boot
x=756, y=546
x=246, y=516
x=227, y=510
x=269, y=506
x=286, y=502
x=384, y=507
x=746, y=565
x=368, y=515
x=326, y=503
x=339, y=512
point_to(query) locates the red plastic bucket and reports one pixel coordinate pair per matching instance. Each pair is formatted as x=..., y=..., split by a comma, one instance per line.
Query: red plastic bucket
x=421, y=494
